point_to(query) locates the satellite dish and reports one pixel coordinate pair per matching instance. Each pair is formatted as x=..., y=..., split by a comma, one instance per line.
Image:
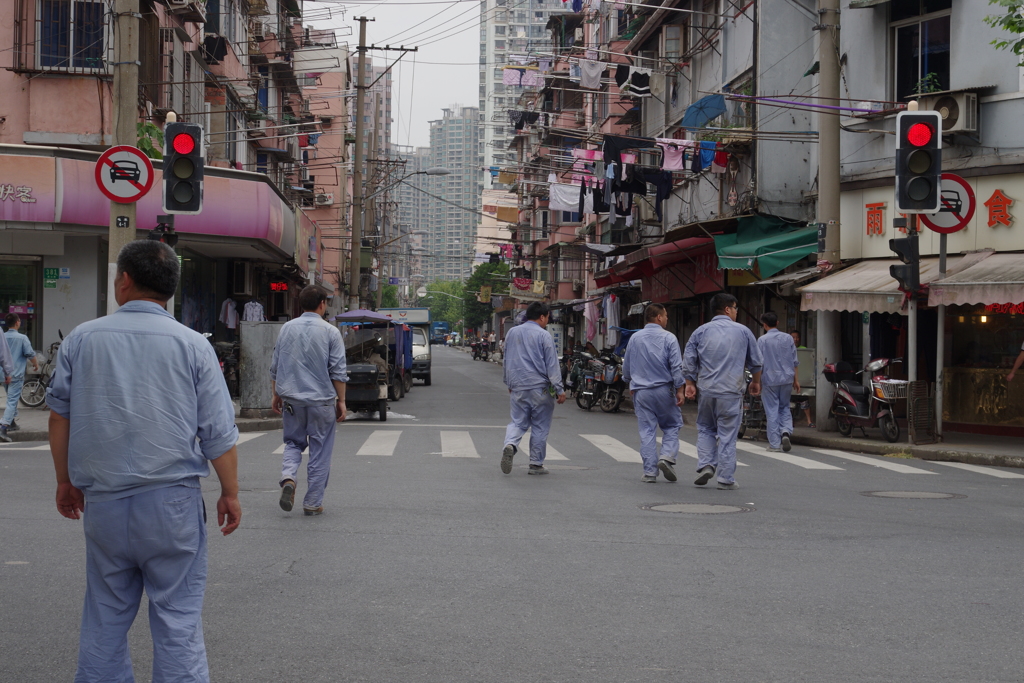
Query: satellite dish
x=422, y=291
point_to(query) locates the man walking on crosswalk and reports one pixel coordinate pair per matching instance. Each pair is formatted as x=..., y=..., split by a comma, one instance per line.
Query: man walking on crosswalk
x=714, y=361
x=778, y=381
x=653, y=367
x=533, y=379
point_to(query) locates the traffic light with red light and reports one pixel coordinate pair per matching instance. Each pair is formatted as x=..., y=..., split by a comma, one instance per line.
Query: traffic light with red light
x=908, y=275
x=183, y=168
x=918, y=161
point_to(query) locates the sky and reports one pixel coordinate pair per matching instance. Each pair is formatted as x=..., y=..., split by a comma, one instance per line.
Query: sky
x=445, y=70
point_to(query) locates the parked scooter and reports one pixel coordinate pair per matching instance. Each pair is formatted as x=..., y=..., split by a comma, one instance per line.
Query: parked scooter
x=614, y=386
x=228, y=354
x=481, y=349
x=855, y=405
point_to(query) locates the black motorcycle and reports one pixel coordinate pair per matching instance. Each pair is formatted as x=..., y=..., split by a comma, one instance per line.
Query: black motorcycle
x=481, y=350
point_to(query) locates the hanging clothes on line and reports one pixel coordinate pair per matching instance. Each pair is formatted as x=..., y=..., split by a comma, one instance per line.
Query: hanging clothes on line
x=590, y=74
x=563, y=197
x=587, y=154
x=662, y=181
x=615, y=144
x=720, y=163
x=707, y=153
x=672, y=152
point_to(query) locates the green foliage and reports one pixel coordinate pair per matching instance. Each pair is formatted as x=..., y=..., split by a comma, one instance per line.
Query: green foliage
x=1011, y=22
x=151, y=139
x=444, y=308
x=478, y=313
x=929, y=83
x=389, y=297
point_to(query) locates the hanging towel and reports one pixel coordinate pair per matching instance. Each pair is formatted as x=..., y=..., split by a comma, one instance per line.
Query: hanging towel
x=512, y=76
x=522, y=283
x=720, y=163
x=587, y=154
x=611, y=318
x=563, y=197
x=591, y=314
x=532, y=79
x=544, y=65
x=508, y=214
x=590, y=74
x=519, y=59
x=506, y=177
x=707, y=153
x=538, y=286
x=609, y=183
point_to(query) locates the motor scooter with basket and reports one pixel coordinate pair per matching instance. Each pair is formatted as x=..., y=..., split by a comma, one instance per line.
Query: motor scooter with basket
x=854, y=405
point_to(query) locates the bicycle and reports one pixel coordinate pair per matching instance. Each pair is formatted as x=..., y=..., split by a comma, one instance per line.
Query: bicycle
x=33, y=393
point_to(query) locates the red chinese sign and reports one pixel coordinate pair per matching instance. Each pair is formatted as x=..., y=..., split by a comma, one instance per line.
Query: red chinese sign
x=278, y=286
x=1012, y=309
x=999, y=209
x=875, y=220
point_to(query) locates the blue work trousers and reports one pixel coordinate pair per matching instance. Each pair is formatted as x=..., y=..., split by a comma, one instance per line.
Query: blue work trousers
x=13, y=394
x=312, y=426
x=775, y=400
x=531, y=411
x=155, y=540
x=656, y=407
x=718, y=425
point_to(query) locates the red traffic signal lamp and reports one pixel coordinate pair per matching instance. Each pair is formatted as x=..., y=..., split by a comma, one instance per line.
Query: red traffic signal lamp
x=918, y=161
x=908, y=275
x=183, y=168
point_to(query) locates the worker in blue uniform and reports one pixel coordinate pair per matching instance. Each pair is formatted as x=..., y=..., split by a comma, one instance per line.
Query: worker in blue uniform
x=21, y=350
x=714, y=361
x=7, y=367
x=139, y=410
x=308, y=374
x=653, y=367
x=534, y=380
x=778, y=381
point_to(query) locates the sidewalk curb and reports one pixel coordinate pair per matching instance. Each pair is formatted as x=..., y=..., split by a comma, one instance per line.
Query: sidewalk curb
x=919, y=452
x=244, y=425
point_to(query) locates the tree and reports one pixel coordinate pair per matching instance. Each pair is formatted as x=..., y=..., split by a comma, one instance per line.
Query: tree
x=1013, y=22
x=445, y=308
x=389, y=297
x=494, y=275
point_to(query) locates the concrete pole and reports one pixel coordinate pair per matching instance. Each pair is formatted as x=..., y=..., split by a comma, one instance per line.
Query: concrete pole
x=125, y=107
x=940, y=344
x=357, y=172
x=828, y=345
x=376, y=152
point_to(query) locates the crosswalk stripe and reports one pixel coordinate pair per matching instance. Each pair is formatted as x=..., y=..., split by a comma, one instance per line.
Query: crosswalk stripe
x=248, y=436
x=553, y=453
x=279, y=450
x=806, y=463
x=874, y=462
x=381, y=442
x=458, y=445
x=691, y=450
x=15, y=447
x=613, y=447
x=990, y=471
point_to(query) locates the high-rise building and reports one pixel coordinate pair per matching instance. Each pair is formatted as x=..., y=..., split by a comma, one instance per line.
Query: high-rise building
x=454, y=145
x=508, y=30
x=413, y=211
x=377, y=104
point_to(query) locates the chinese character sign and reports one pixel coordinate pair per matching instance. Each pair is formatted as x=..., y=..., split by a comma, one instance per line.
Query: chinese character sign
x=998, y=206
x=875, y=220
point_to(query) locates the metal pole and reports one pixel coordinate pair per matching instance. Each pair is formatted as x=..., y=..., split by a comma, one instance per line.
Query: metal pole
x=940, y=344
x=125, y=109
x=357, y=172
x=912, y=319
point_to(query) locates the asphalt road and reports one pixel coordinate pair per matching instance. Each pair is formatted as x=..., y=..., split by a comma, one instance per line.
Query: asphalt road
x=429, y=565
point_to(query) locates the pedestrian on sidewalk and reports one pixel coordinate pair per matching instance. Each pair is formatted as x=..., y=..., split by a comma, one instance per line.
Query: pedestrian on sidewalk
x=21, y=350
x=7, y=365
x=533, y=379
x=139, y=410
x=491, y=341
x=778, y=381
x=308, y=376
x=653, y=367
x=714, y=361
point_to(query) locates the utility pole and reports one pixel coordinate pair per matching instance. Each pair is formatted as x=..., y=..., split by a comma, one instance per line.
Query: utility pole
x=126, y=114
x=828, y=344
x=357, y=171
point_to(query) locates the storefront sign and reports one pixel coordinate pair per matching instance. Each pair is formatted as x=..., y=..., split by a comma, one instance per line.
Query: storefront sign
x=27, y=189
x=1012, y=309
x=27, y=308
x=999, y=209
x=278, y=286
x=16, y=193
x=65, y=274
x=50, y=277
x=957, y=206
x=875, y=220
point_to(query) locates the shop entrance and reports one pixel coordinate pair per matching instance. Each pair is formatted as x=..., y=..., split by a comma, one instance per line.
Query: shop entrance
x=19, y=293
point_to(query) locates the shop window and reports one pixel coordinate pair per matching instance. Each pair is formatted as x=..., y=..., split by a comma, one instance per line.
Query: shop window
x=19, y=291
x=921, y=46
x=71, y=34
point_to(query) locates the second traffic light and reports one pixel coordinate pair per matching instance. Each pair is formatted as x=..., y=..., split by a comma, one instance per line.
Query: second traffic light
x=918, y=161
x=183, y=168
x=908, y=275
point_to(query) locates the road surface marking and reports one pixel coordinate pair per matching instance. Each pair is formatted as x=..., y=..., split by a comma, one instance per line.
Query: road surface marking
x=691, y=450
x=553, y=453
x=376, y=423
x=15, y=447
x=874, y=462
x=381, y=442
x=248, y=436
x=806, y=463
x=990, y=471
x=613, y=447
x=458, y=445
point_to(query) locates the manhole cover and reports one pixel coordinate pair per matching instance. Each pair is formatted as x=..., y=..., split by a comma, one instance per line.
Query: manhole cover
x=912, y=494
x=558, y=467
x=695, y=508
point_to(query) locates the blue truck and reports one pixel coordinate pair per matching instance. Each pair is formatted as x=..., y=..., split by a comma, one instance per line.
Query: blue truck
x=438, y=330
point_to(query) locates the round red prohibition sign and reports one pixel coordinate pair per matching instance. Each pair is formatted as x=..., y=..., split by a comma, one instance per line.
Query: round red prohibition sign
x=957, y=205
x=124, y=174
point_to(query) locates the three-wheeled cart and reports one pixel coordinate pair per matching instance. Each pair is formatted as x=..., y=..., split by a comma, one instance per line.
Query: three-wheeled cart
x=372, y=344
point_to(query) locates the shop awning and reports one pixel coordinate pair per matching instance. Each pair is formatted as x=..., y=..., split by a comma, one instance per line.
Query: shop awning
x=993, y=279
x=790, y=278
x=650, y=260
x=765, y=245
x=866, y=286
x=709, y=227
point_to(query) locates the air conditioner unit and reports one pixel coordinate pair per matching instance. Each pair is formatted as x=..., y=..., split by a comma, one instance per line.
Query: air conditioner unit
x=324, y=199
x=577, y=285
x=581, y=117
x=242, y=278
x=959, y=110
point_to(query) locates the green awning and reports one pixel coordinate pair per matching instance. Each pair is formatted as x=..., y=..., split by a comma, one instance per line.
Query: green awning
x=765, y=245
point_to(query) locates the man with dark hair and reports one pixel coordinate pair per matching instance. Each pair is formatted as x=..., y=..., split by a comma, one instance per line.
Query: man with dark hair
x=308, y=376
x=778, y=381
x=653, y=367
x=533, y=379
x=20, y=349
x=714, y=361
x=139, y=411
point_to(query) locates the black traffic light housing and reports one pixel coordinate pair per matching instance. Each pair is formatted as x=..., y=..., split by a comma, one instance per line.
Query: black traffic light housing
x=918, y=161
x=183, y=168
x=164, y=231
x=908, y=275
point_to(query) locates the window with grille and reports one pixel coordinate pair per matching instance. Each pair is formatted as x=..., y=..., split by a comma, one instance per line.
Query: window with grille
x=71, y=34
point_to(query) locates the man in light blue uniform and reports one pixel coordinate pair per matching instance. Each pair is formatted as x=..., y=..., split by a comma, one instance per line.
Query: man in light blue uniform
x=7, y=365
x=778, y=381
x=139, y=410
x=653, y=367
x=308, y=374
x=531, y=375
x=714, y=360
x=20, y=350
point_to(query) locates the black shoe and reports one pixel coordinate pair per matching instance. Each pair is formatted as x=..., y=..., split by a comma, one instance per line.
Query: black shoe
x=287, y=495
x=312, y=512
x=705, y=473
x=14, y=426
x=506, y=458
x=786, y=445
x=537, y=469
x=3, y=434
x=666, y=468
x=728, y=487
x=649, y=478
